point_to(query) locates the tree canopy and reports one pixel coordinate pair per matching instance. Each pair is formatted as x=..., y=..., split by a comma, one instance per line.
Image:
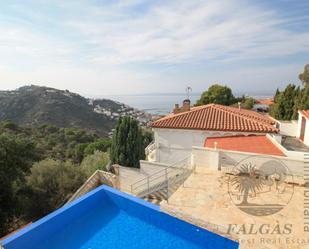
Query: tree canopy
x=49, y=185
x=291, y=99
x=304, y=77
x=16, y=158
x=39, y=173
x=96, y=161
x=217, y=94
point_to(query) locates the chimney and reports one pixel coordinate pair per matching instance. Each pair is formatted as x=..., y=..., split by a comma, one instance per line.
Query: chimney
x=186, y=105
x=239, y=105
x=176, y=109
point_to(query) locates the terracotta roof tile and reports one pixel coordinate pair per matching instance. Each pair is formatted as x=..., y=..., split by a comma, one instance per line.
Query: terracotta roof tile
x=217, y=117
x=253, y=144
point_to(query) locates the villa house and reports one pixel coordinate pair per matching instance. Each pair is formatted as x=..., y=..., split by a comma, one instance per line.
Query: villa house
x=176, y=133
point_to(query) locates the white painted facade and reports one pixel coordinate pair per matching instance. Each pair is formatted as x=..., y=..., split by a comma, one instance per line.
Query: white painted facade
x=288, y=128
x=300, y=125
x=172, y=145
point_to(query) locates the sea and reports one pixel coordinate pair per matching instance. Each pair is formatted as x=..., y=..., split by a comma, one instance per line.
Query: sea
x=154, y=104
x=160, y=104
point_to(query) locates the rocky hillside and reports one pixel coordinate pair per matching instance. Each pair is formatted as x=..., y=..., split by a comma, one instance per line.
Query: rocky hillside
x=35, y=105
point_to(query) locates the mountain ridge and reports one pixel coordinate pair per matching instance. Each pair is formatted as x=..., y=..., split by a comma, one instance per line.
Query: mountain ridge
x=35, y=105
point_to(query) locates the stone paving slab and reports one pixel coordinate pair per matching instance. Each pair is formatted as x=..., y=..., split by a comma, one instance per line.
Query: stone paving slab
x=205, y=197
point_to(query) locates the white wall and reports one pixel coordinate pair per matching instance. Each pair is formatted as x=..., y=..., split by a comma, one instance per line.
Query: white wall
x=205, y=157
x=299, y=124
x=150, y=168
x=215, y=159
x=175, y=144
x=306, y=138
x=288, y=128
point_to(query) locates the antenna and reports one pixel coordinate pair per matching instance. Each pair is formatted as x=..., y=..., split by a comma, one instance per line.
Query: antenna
x=188, y=90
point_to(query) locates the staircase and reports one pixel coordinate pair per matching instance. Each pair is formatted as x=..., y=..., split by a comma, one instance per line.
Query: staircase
x=166, y=180
x=150, y=152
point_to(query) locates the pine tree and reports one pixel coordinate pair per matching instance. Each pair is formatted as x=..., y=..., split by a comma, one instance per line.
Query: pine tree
x=285, y=103
x=303, y=99
x=127, y=143
x=304, y=77
x=292, y=99
x=217, y=94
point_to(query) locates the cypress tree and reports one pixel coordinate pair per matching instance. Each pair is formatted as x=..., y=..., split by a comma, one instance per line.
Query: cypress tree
x=127, y=143
x=277, y=94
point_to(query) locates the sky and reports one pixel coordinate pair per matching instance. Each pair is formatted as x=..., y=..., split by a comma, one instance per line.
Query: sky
x=102, y=47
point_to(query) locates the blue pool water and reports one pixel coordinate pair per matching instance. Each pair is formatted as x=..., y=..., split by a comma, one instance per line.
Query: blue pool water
x=107, y=218
x=109, y=227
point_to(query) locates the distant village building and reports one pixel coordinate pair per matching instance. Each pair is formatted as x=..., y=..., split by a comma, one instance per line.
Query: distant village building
x=262, y=105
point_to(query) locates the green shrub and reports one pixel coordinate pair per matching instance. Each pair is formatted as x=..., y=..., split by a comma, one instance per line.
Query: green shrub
x=96, y=161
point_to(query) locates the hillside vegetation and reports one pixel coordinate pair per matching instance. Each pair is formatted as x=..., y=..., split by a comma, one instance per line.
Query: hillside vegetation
x=40, y=168
x=35, y=105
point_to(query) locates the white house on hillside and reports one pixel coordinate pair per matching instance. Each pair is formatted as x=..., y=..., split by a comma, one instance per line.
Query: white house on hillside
x=176, y=133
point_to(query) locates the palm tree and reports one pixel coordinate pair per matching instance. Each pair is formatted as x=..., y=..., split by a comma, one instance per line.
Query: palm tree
x=246, y=181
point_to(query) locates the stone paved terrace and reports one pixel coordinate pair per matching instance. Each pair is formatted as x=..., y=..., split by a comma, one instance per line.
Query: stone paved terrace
x=205, y=198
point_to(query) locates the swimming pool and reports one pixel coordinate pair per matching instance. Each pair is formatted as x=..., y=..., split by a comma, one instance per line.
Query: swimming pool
x=107, y=218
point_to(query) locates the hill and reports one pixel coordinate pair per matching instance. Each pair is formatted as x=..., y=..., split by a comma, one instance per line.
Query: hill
x=37, y=105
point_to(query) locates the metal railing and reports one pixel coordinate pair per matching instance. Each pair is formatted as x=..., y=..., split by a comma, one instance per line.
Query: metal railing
x=163, y=179
x=150, y=148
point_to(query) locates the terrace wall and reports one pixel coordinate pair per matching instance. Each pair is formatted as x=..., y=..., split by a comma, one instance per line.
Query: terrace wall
x=225, y=160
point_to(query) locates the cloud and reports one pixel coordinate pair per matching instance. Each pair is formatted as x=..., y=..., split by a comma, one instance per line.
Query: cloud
x=141, y=45
x=186, y=31
x=159, y=32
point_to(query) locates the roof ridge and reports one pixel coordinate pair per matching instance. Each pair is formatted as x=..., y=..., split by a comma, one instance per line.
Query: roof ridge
x=235, y=111
x=196, y=108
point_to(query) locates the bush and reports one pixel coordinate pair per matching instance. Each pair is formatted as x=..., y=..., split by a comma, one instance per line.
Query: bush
x=248, y=103
x=49, y=185
x=100, y=145
x=96, y=161
x=78, y=152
